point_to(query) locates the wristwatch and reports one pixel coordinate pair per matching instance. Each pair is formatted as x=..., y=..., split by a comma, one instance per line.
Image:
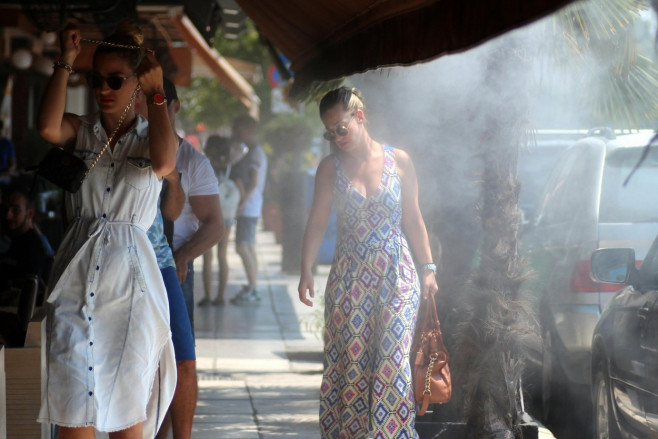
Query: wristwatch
x=157, y=98
x=430, y=267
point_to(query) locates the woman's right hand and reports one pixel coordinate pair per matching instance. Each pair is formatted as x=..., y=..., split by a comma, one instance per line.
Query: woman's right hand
x=306, y=285
x=69, y=42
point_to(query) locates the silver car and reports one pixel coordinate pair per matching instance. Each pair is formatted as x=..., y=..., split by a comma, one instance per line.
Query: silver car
x=584, y=206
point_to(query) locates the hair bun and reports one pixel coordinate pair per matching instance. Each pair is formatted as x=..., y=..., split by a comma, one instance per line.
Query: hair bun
x=128, y=28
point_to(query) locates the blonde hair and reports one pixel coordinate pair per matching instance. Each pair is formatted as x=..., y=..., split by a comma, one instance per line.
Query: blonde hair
x=349, y=98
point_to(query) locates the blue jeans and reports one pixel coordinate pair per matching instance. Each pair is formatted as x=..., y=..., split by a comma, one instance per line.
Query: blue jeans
x=188, y=293
x=181, y=331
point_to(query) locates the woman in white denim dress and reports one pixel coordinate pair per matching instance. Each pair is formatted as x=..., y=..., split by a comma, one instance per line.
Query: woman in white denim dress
x=110, y=358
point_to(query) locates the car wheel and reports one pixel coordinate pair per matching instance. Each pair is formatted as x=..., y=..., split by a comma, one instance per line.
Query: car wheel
x=552, y=381
x=605, y=426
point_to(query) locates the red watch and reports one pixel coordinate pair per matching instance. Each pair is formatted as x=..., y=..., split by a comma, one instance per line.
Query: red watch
x=157, y=98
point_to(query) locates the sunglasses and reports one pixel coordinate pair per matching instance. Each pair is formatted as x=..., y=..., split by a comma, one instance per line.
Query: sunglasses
x=340, y=130
x=115, y=82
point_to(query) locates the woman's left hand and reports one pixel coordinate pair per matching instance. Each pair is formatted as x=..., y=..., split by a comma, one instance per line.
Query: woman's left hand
x=149, y=74
x=428, y=284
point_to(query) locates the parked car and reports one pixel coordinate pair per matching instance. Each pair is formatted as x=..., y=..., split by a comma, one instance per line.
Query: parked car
x=625, y=347
x=536, y=162
x=584, y=206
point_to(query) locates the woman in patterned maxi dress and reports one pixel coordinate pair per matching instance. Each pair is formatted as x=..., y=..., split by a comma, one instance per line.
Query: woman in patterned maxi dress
x=373, y=288
x=109, y=354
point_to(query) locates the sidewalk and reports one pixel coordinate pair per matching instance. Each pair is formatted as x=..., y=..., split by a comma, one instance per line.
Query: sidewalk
x=259, y=366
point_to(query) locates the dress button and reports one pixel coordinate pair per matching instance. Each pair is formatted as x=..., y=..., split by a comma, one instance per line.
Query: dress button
x=112, y=165
x=91, y=343
x=89, y=318
x=98, y=268
x=104, y=216
x=91, y=393
x=92, y=294
x=91, y=368
x=108, y=189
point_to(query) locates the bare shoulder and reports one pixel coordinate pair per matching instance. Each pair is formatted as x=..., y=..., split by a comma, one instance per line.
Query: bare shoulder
x=327, y=166
x=403, y=161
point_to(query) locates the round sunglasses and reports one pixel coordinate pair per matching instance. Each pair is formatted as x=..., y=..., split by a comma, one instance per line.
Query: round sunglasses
x=115, y=82
x=340, y=130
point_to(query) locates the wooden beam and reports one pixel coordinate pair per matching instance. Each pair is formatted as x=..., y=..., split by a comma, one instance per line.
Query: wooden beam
x=227, y=75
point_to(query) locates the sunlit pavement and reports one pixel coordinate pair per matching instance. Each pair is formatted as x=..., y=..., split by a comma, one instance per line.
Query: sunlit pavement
x=259, y=365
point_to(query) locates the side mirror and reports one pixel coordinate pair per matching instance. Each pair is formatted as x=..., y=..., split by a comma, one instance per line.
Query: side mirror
x=613, y=265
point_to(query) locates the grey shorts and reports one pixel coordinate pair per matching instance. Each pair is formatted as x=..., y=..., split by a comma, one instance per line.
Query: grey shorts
x=245, y=232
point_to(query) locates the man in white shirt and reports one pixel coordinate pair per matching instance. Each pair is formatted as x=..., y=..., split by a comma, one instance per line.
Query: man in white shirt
x=198, y=228
x=251, y=171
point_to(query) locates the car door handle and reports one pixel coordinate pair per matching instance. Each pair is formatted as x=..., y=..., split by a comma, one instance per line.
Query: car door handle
x=643, y=312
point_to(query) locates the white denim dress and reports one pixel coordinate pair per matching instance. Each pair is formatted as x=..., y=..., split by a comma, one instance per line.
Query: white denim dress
x=109, y=353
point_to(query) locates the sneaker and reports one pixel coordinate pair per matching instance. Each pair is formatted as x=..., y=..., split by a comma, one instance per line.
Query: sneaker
x=204, y=302
x=244, y=291
x=251, y=296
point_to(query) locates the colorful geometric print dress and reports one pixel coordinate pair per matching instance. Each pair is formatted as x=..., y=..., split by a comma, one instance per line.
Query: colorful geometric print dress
x=371, y=301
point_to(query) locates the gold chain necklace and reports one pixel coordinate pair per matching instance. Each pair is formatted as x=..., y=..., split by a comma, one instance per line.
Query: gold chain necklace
x=116, y=129
x=106, y=43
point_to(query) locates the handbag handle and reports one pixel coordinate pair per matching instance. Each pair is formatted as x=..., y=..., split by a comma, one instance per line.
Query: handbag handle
x=431, y=315
x=116, y=129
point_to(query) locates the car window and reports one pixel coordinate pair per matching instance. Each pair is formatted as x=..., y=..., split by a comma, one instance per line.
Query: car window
x=638, y=200
x=649, y=268
x=535, y=166
x=554, y=187
x=568, y=192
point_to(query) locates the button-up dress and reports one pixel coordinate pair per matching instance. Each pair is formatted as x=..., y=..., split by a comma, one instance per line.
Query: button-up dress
x=109, y=354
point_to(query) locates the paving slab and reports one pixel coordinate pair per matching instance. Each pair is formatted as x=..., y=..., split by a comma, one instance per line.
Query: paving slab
x=258, y=365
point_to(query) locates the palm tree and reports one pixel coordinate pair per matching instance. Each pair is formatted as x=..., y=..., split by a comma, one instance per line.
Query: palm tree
x=494, y=329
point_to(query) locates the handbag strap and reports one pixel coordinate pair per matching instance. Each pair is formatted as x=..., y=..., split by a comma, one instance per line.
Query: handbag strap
x=116, y=129
x=431, y=317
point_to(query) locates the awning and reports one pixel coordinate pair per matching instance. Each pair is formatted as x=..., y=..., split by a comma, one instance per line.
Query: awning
x=328, y=39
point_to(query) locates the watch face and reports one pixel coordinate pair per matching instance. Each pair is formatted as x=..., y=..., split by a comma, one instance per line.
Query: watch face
x=158, y=98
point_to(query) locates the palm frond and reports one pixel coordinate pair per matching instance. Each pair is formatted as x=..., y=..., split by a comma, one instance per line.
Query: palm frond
x=623, y=97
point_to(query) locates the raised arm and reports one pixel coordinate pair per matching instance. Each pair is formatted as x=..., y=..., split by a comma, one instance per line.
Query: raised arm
x=53, y=124
x=163, y=142
x=316, y=226
x=413, y=225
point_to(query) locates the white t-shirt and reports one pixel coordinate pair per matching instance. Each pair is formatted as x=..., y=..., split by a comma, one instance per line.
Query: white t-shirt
x=256, y=159
x=198, y=179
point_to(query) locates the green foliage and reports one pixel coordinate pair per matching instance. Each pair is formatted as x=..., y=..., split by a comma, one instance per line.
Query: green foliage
x=206, y=100
x=288, y=133
x=600, y=36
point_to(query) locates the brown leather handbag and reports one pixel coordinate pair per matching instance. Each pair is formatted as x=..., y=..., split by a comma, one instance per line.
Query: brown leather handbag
x=431, y=373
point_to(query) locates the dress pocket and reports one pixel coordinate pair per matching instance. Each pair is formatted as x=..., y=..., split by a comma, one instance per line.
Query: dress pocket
x=86, y=155
x=139, y=172
x=137, y=274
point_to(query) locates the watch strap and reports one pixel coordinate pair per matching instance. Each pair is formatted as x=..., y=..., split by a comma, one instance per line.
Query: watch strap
x=428, y=267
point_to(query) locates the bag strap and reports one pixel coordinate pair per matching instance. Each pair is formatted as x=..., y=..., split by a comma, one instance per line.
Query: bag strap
x=431, y=317
x=116, y=129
